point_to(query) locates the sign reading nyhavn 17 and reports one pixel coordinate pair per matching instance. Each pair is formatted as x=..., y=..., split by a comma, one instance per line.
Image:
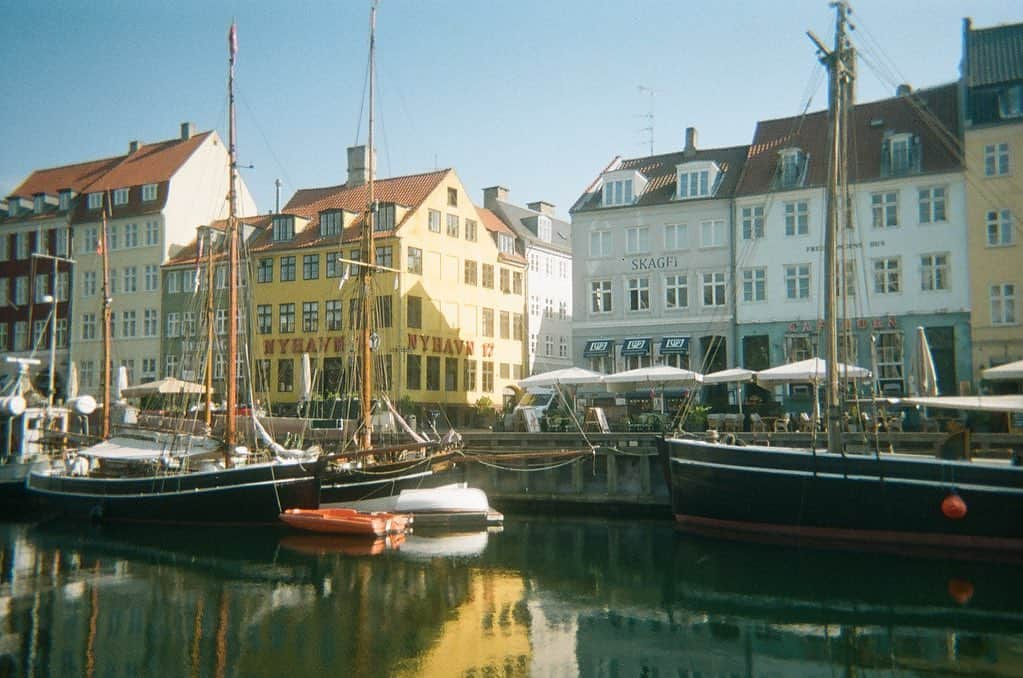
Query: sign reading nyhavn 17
x=415, y=342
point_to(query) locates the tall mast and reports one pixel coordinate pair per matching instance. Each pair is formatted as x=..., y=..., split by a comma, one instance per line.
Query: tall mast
x=232, y=258
x=369, y=256
x=210, y=335
x=841, y=71
x=105, y=367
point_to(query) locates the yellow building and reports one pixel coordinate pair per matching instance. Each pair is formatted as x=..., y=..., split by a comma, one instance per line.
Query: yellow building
x=449, y=299
x=993, y=116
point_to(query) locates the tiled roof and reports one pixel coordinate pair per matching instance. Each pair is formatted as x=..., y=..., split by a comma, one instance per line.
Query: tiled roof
x=994, y=55
x=150, y=164
x=931, y=114
x=661, y=172
x=492, y=222
x=188, y=253
x=76, y=177
x=409, y=191
x=524, y=223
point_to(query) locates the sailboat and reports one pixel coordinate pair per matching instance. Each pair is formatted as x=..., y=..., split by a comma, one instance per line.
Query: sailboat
x=140, y=475
x=828, y=497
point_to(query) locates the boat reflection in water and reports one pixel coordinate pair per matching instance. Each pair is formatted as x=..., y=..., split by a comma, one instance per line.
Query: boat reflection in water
x=543, y=597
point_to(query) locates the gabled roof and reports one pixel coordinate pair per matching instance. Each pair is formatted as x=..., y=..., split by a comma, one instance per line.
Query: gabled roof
x=187, y=254
x=409, y=191
x=523, y=223
x=993, y=55
x=931, y=114
x=76, y=177
x=493, y=223
x=150, y=164
x=661, y=174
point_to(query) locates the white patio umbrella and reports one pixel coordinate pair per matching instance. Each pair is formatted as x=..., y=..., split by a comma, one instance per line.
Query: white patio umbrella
x=165, y=386
x=305, y=379
x=122, y=383
x=924, y=374
x=72, y=382
x=734, y=375
x=569, y=376
x=655, y=376
x=1008, y=372
x=809, y=371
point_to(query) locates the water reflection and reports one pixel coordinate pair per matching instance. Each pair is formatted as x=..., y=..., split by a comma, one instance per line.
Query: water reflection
x=544, y=597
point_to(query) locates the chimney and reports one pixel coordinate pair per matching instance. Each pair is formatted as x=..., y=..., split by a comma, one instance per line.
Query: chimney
x=902, y=90
x=690, y=148
x=133, y=146
x=187, y=131
x=542, y=207
x=493, y=195
x=358, y=166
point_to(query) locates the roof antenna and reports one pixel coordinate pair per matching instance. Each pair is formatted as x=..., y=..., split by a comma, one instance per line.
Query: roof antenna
x=649, y=115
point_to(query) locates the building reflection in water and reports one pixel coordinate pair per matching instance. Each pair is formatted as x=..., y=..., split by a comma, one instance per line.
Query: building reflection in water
x=544, y=598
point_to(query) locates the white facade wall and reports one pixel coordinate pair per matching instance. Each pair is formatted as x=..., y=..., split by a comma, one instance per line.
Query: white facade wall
x=550, y=281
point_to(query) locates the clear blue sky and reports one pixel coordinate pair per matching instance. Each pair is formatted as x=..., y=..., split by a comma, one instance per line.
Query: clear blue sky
x=535, y=95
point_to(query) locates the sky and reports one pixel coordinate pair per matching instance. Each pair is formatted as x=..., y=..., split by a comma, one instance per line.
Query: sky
x=537, y=96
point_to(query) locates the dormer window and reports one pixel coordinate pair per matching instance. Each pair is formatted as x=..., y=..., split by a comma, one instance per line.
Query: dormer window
x=284, y=228
x=95, y=201
x=148, y=192
x=697, y=180
x=506, y=243
x=12, y=207
x=120, y=196
x=330, y=222
x=543, y=228
x=38, y=203
x=64, y=200
x=1010, y=102
x=791, y=168
x=900, y=154
x=385, y=217
x=622, y=187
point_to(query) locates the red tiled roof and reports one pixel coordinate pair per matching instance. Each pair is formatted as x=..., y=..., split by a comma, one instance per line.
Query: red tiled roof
x=76, y=177
x=188, y=253
x=150, y=164
x=931, y=114
x=492, y=222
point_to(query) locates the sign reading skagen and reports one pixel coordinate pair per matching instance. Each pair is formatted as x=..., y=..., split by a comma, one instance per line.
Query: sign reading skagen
x=648, y=263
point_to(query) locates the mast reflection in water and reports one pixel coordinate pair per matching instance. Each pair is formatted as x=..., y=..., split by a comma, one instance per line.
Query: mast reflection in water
x=540, y=598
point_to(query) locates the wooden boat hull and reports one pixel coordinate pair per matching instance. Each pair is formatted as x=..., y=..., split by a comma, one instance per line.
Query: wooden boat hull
x=346, y=521
x=255, y=493
x=893, y=502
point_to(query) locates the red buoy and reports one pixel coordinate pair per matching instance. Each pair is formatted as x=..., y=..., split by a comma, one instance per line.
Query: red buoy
x=961, y=590
x=953, y=507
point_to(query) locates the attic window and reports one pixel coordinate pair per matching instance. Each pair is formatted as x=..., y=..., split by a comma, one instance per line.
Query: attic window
x=618, y=192
x=900, y=154
x=148, y=192
x=385, y=217
x=284, y=228
x=64, y=200
x=543, y=228
x=697, y=180
x=120, y=196
x=38, y=203
x=1010, y=102
x=330, y=222
x=506, y=243
x=791, y=168
x=95, y=201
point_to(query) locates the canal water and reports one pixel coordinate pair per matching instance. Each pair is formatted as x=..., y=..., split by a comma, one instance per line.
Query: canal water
x=543, y=597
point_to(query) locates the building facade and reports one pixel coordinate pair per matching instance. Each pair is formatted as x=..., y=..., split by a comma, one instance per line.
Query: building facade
x=547, y=246
x=901, y=251
x=652, y=261
x=992, y=103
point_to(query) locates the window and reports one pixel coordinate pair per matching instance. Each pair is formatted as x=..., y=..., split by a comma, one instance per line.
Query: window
x=932, y=204
x=548, y=308
x=220, y=321
x=88, y=326
x=287, y=268
x=87, y=368
x=797, y=218
x=120, y=196
x=1010, y=101
x=5, y=245
x=517, y=327
x=617, y=193
x=130, y=274
x=695, y=184
x=41, y=287
x=60, y=243
x=600, y=294
x=754, y=285
x=283, y=228
x=128, y=324
x=432, y=373
x=5, y=292
x=264, y=319
x=637, y=240
x=311, y=267
x=470, y=272
x=488, y=376
x=415, y=260
x=384, y=255
x=131, y=235
x=413, y=372
x=332, y=314
x=470, y=230
x=488, y=322
x=152, y=233
x=506, y=243
x=148, y=369
x=889, y=362
x=95, y=201
x=934, y=272
x=885, y=209
x=753, y=222
x=639, y=294
x=285, y=375
x=791, y=168
x=488, y=276
x=453, y=225
x=800, y=347
x=712, y=233
x=848, y=274
x=451, y=374
x=600, y=245
x=563, y=310
x=170, y=368
x=385, y=217
x=286, y=318
x=150, y=322
x=900, y=155
x=188, y=324
x=152, y=278
x=414, y=312
x=21, y=290
x=64, y=201
x=21, y=246
x=887, y=274
x=1003, y=304
x=714, y=289
x=434, y=221
x=505, y=278
x=996, y=160
x=999, y=228
x=797, y=281
x=265, y=270
x=38, y=332
x=112, y=236
x=516, y=282
x=310, y=316
x=148, y=192
x=330, y=222
x=20, y=335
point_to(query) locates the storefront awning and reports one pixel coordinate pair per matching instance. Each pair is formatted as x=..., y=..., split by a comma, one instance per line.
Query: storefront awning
x=597, y=348
x=675, y=346
x=635, y=347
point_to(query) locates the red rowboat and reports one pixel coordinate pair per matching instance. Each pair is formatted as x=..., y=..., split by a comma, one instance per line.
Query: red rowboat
x=347, y=521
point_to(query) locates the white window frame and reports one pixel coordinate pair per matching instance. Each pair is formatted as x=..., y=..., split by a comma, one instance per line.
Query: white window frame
x=676, y=237
x=1000, y=230
x=714, y=283
x=752, y=222
x=934, y=271
x=638, y=294
x=754, y=285
x=600, y=244
x=996, y=160
x=94, y=201
x=120, y=196
x=637, y=240
x=932, y=202
x=797, y=218
x=676, y=291
x=887, y=275
x=884, y=209
x=601, y=297
x=1002, y=297
x=798, y=282
x=712, y=234
x=148, y=192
